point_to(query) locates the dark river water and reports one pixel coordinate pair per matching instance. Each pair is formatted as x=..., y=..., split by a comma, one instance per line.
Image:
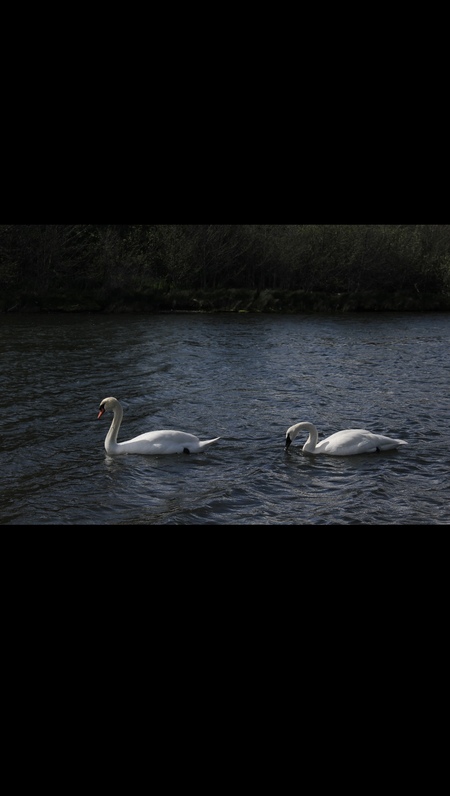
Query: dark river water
x=245, y=378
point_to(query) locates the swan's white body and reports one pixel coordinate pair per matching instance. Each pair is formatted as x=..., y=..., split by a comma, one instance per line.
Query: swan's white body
x=342, y=443
x=152, y=442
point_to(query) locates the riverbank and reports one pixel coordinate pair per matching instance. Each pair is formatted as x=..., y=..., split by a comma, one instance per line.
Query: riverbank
x=233, y=300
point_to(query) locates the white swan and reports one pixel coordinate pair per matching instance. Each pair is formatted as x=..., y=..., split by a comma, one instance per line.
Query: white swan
x=342, y=443
x=153, y=442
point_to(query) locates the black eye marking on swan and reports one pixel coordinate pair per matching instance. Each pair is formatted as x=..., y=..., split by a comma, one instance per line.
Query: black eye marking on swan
x=186, y=450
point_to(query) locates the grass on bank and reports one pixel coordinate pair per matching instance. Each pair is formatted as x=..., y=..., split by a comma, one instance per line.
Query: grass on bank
x=158, y=300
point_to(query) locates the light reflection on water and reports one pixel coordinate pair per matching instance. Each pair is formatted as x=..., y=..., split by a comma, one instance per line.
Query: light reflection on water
x=245, y=378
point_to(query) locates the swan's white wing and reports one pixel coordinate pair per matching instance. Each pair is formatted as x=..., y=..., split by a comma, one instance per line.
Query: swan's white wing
x=165, y=441
x=388, y=443
x=356, y=440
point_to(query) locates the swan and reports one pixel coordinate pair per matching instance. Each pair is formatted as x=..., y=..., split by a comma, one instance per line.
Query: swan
x=342, y=443
x=152, y=442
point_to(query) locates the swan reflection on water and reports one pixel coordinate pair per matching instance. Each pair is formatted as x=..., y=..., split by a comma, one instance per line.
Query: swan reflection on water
x=342, y=443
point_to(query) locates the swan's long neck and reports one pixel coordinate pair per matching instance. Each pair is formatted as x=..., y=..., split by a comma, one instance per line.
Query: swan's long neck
x=311, y=442
x=111, y=437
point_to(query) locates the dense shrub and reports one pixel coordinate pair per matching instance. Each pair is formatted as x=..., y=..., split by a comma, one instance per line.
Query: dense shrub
x=265, y=268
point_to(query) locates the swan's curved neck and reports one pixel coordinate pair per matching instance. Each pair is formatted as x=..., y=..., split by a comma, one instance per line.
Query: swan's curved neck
x=111, y=437
x=311, y=442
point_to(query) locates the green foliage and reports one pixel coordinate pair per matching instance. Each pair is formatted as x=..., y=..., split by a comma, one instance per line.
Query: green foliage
x=251, y=267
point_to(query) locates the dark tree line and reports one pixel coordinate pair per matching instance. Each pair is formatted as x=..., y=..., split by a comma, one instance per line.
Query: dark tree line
x=134, y=258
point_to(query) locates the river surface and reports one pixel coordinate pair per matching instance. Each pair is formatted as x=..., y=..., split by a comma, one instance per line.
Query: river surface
x=245, y=378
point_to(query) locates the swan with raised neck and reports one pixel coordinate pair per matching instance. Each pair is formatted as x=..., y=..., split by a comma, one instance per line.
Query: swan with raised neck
x=151, y=442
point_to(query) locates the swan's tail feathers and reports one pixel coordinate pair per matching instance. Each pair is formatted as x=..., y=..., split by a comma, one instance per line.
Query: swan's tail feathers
x=205, y=442
x=392, y=444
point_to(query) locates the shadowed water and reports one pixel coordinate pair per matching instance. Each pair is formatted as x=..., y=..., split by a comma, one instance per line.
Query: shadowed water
x=245, y=378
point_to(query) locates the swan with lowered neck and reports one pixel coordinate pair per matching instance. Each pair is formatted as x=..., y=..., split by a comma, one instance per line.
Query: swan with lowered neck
x=342, y=443
x=152, y=442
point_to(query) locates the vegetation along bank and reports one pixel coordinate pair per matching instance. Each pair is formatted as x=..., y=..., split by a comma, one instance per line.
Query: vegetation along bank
x=291, y=268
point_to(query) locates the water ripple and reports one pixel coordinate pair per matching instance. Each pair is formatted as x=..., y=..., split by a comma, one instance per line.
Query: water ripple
x=243, y=378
